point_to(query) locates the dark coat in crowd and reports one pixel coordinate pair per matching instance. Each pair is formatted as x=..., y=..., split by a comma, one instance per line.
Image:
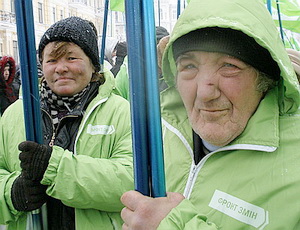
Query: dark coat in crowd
x=7, y=95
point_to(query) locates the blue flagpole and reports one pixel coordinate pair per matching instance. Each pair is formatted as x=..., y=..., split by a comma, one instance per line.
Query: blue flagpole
x=104, y=31
x=137, y=95
x=280, y=22
x=269, y=6
x=30, y=91
x=178, y=8
x=152, y=101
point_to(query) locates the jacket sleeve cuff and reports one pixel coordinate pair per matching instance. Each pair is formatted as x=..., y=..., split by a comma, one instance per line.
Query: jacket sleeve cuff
x=54, y=161
x=185, y=216
x=7, y=195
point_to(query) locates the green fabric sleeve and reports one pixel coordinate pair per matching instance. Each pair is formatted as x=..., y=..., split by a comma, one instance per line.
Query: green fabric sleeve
x=122, y=80
x=185, y=216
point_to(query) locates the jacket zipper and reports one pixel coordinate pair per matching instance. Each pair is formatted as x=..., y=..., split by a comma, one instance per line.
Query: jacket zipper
x=189, y=183
x=51, y=143
x=195, y=169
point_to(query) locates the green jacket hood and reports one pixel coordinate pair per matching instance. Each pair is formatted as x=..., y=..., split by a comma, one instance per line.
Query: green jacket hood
x=107, y=88
x=253, y=19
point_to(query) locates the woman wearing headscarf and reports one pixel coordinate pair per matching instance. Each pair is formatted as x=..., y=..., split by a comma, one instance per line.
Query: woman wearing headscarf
x=7, y=74
x=110, y=50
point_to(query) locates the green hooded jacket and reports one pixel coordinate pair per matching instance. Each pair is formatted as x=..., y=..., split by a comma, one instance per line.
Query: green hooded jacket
x=92, y=179
x=254, y=181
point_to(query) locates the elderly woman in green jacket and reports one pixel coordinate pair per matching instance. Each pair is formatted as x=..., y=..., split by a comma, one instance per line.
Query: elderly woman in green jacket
x=85, y=163
x=231, y=125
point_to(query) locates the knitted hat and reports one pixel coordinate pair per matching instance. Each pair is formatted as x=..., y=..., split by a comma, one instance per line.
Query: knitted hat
x=79, y=31
x=228, y=41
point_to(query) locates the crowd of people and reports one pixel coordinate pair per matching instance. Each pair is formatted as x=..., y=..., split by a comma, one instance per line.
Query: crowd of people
x=230, y=101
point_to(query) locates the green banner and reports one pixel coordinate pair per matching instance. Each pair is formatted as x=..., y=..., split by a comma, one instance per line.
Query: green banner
x=289, y=14
x=117, y=5
x=290, y=20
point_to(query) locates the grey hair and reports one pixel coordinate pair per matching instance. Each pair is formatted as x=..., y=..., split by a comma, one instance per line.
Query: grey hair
x=264, y=82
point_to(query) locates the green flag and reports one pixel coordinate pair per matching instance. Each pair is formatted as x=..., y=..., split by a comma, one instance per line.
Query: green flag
x=290, y=20
x=290, y=14
x=117, y=5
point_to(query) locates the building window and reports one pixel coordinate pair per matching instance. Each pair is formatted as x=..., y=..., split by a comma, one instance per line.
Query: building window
x=119, y=17
x=161, y=14
x=54, y=14
x=40, y=12
x=12, y=5
x=174, y=14
x=15, y=51
x=80, y=1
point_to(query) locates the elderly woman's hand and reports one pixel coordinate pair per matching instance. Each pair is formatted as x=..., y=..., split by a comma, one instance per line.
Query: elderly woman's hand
x=143, y=212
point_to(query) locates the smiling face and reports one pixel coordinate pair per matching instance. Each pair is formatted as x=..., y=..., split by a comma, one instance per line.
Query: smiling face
x=219, y=94
x=67, y=69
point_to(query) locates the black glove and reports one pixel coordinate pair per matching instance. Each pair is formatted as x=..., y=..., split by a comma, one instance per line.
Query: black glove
x=34, y=159
x=28, y=195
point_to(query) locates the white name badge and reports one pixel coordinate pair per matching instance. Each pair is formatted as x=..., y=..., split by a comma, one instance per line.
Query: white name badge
x=240, y=209
x=100, y=129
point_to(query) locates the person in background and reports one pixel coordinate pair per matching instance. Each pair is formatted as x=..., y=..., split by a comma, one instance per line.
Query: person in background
x=18, y=78
x=16, y=84
x=7, y=71
x=85, y=163
x=163, y=42
x=110, y=51
x=161, y=32
x=122, y=78
x=120, y=55
x=294, y=55
x=230, y=125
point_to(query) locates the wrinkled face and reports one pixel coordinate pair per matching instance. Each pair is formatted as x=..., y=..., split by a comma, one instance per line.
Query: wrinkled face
x=6, y=72
x=67, y=72
x=219, y=94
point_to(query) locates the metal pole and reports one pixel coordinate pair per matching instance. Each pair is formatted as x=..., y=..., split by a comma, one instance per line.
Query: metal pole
x=144, y=98
x=30, y=91
x=178, y=8
x=280, y=22
x=269, y=6
x=104, y=31
x=152, y=101
x=137, y=95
